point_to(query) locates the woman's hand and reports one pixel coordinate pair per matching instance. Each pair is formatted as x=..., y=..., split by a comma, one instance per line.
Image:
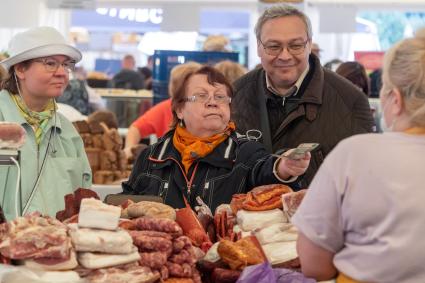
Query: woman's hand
x=288, y=168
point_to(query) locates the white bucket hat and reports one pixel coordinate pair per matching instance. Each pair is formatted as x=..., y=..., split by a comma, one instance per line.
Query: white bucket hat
x=38, y=42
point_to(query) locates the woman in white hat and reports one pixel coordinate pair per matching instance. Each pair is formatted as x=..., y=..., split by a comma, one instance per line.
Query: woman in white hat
x=53, y=161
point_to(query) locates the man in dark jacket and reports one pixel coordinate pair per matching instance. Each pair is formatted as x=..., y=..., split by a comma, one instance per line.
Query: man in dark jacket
x=292, y=99
x=128, y=77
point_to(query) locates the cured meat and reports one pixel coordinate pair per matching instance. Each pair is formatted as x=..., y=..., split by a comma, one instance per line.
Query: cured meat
x=191, y=226
x=221, y=275
x=183, y=257
x=148, y=243
x=33, y=237
x=160, y=225
x=240, y=254
x=151, y=234
x=179, y=280
x=179, y=270
x=127, y=224
x=292, y=201
x=98, y=215
x=12, y=135
x=98, y=260
x=164, y=272
x=73, y=203
x=180, y=243
x=154, y=260
x=265, y=197
x=95, y=240
x=117, y=275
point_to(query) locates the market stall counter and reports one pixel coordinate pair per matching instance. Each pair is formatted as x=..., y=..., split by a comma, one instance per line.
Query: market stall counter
x=149, y=241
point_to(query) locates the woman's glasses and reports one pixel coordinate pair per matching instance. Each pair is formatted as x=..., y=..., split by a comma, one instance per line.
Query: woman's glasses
x=204, y=97
x=52, y=65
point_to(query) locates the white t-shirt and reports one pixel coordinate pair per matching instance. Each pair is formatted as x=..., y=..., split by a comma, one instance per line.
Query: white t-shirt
x=367, y=205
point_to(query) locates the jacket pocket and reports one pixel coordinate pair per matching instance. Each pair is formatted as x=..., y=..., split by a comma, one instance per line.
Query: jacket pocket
x=148, y=184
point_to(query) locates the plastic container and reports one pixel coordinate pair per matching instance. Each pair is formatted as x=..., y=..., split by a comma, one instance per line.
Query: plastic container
x=165, y=60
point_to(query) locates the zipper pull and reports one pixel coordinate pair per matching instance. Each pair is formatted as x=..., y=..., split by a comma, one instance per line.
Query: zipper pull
x=188, y=189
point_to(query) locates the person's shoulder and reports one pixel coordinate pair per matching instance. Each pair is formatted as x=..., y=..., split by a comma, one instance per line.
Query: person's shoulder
x=4, y=96
x=358, y=143
x=340, y=85
x=247, y=80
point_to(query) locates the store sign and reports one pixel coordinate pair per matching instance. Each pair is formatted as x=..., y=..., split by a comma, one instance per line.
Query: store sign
x=133, y=15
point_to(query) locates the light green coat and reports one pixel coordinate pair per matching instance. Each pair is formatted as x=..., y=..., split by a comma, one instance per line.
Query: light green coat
x=65, y=170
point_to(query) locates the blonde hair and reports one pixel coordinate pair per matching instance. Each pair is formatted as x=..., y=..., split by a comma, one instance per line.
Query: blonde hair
x=216, y=43
x=178, y=73
x=404, y=69
x=231, y=70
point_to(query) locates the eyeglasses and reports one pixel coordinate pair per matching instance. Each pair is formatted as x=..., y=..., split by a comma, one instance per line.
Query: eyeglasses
x=52, y=65
x=204, y=97
x=274, y=49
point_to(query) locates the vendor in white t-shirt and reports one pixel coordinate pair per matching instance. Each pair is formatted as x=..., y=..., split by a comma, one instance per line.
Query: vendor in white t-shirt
x=363, y=216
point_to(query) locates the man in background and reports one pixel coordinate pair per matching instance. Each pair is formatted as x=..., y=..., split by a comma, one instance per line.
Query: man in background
x=128, y=77
x=292, y=99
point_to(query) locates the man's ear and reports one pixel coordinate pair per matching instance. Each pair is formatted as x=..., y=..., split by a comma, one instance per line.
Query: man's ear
x=398, y=105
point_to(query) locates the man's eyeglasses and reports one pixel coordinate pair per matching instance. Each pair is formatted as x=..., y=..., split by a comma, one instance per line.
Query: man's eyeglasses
x=274, y=49
x=52, y=65
x=204, y=97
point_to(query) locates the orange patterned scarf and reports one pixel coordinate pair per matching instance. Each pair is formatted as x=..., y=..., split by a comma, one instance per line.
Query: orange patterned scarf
x=192, y=147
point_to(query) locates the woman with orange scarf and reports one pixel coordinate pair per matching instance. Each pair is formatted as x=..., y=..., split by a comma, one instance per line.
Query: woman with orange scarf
x=202, y=156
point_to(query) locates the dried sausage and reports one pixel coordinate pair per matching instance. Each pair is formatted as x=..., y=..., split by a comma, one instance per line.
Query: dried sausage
x=160, y=225
x=154, y=260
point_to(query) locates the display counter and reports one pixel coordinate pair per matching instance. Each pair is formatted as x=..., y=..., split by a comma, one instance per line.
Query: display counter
x=116, y=93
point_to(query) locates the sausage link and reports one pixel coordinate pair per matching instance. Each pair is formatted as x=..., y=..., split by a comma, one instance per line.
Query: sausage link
x=160, y=225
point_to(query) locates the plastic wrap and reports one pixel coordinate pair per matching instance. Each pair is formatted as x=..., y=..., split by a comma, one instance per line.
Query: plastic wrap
x=259, y=273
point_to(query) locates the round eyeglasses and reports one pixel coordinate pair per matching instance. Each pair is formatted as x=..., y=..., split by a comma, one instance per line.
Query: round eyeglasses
x=204, y=97
x=275, y=49
x=52, y=65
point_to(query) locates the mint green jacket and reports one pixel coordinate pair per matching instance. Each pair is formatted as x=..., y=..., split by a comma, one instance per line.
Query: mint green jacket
x=66, y=166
